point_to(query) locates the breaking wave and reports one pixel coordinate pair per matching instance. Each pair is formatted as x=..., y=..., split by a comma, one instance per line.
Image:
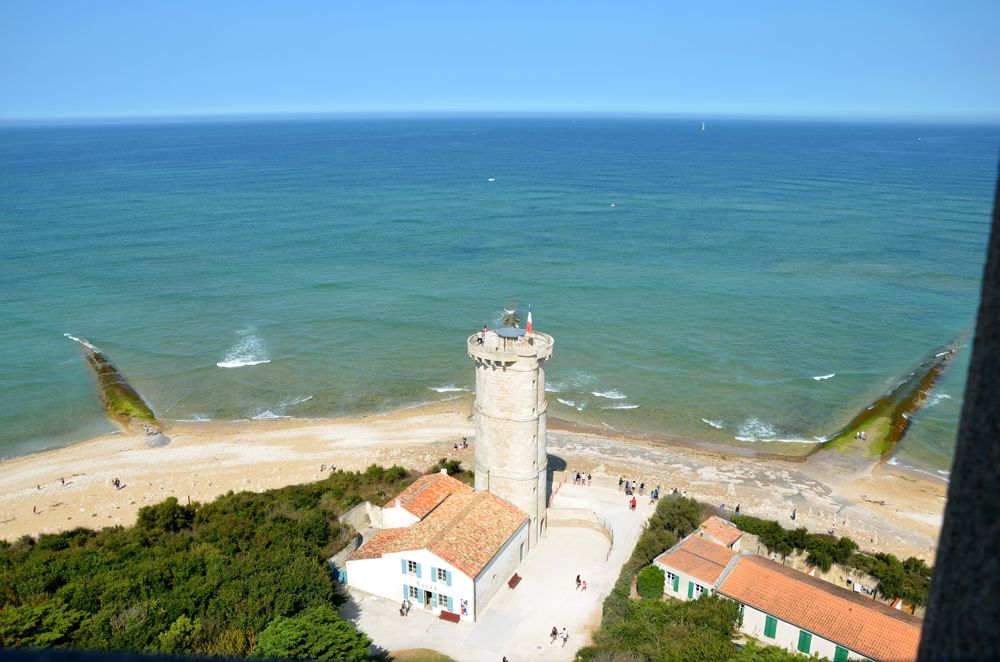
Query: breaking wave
x=718, y=425
x=621, y=406
x=82, y=342
x=447, y=388
x=250, y=350
x=820, y=378
x=613, y=394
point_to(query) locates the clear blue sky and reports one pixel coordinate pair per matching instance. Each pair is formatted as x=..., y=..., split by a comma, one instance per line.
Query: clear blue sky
x=807, y=58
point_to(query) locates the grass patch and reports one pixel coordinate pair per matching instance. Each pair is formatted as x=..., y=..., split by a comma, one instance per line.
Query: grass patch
x=419, y=655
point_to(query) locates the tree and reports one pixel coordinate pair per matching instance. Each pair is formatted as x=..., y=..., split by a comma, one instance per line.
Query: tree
x=177, y=639
x=315, y=634
x=649, y=582
x=38, y=626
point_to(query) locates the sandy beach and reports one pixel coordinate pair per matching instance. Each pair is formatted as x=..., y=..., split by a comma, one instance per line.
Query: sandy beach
x=880, y=506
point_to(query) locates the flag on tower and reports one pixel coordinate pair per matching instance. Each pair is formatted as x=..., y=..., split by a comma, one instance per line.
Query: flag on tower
x=527, y=327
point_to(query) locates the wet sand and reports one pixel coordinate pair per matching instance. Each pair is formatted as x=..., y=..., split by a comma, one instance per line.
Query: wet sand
x=881, y=506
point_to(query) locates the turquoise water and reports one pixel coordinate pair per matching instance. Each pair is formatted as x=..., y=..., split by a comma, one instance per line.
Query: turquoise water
x=347, y=261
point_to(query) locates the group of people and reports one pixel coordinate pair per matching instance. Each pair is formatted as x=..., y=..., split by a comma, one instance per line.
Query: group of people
x=559, y=634
x=458, y=446
x=862, y=435
x=579, y=479
x=581, y=584
x=630, y=486
x=404, y=608
x=117, y=483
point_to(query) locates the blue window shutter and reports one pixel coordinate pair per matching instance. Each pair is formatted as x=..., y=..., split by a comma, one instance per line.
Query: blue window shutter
x=434, y=599
x=406, y=591
x=447, y=575
x=418, y=571
x=450, y=607
x=434, y=576
x=420, y=595
x=403, y=563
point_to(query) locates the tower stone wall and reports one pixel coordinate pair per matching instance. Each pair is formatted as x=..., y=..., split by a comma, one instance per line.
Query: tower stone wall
x=509, y=415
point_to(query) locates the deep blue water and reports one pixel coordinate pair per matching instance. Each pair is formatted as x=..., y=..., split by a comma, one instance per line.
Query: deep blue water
x=355, y=256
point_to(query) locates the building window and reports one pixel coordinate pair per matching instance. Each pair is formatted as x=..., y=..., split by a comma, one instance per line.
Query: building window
x=411, y=567
x=770, y=626
x=442, y=575
x=698, y=589
x=673, y=581
x=805, y=641
x=414, y=593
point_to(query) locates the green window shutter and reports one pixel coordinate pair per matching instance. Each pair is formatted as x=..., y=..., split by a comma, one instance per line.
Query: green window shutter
x=677, y=583
x=770, y=626
x=418, y=571
x=402, y=562
x=805, y=641
x=434, y=576
x=447, y=576
x=841, y=654
x=690, y=590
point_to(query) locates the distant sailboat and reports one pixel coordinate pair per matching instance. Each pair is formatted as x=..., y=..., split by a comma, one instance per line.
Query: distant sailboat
x=702, y=126
x=491, y=180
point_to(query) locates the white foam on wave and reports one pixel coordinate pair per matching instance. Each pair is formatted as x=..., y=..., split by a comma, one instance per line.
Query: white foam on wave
x=267, y=414
x=81, y=341
x=570, y=403
x=935, y=398
x=447, y=388
x=296, y=401
x=554, y=387
x=250, y=350
x=613, y=394
x=621, y=406
x=754, y=429
x=820, y=378
x=938, y=474
x=718, y=425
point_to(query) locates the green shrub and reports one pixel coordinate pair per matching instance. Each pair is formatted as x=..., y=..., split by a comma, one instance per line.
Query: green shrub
x=649, y=582
x=316, y=634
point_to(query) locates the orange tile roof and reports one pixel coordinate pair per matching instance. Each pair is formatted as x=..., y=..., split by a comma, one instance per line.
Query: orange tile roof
x=698, y=557
x=427, y=492
x=723, y=531
x=845, y=618
x=466, y=530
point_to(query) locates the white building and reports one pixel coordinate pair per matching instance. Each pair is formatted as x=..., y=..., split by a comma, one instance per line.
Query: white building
x=784, y=607
x=693, y=566
x=721, y=532
x=455, y=557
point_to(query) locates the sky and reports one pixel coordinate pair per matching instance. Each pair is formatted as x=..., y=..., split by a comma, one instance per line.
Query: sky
x=883, y=59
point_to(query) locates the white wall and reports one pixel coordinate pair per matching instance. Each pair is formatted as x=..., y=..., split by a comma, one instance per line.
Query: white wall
x=682, y=587
x=385, y=577
x=498, y=572
x=396, y=516
x=786, y=635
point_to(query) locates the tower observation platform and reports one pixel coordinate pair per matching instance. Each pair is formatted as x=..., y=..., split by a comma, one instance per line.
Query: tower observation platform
x=510, y=418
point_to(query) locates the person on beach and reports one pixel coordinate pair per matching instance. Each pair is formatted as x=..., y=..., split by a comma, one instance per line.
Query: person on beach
x=621, y=481
x=793, y=514
x=737, y=509
x=583, y=586
x=62, y=481
x=564, y=636
x=642, y=487
x=578, y=582
x=554, y=634
x=632, y=503
x=588, y=480
x=34, y=510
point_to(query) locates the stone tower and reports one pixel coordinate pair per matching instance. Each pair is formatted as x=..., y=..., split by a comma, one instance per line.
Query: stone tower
x=510, y=419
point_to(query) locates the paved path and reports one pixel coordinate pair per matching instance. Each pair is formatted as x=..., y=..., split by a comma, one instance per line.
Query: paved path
x=517, y=622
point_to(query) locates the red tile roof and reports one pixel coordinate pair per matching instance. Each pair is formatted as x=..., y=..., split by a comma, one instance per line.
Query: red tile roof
x=466, y=530
x=427, y=492
x=845, y=618
x=723, y=531
x=698, y=557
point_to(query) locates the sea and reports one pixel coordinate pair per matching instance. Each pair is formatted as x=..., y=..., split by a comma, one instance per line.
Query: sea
x=745, y=281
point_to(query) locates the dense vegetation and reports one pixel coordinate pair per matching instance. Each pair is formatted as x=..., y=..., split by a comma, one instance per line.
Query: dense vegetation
x=454, y=469
x=666, y=630
x=909, y=579
x=242, y=575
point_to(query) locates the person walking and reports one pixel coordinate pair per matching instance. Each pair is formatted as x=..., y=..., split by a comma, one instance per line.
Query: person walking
x=578, y=582
x=621, y=481
x=554, y=634
x=584, y=586
x=633, y=503
x=588, y=480
x=564, y=636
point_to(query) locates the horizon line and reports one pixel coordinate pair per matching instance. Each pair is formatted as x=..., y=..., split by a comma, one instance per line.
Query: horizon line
x=179, y=118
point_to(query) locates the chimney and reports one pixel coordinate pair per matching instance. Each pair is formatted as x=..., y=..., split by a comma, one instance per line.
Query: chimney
x=444, y=471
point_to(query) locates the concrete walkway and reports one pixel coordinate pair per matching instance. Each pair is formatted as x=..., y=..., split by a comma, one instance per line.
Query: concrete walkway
x=516, y=623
